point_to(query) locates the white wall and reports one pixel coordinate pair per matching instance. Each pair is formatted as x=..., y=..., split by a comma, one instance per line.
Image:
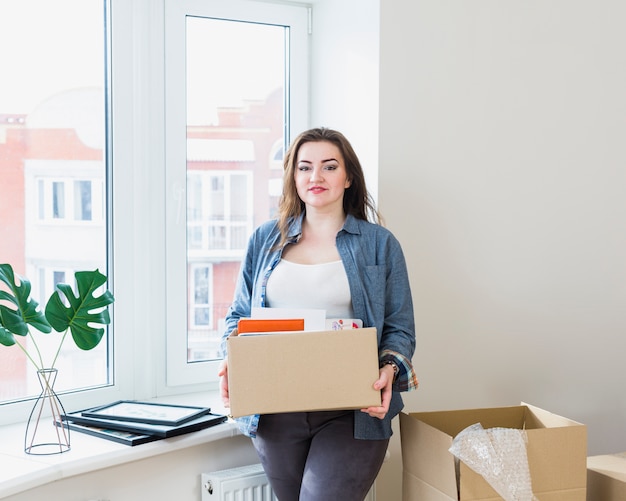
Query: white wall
x=344, y=75
x=503, y=173
x=165, y=477
x=345, y=96
x=501, y=170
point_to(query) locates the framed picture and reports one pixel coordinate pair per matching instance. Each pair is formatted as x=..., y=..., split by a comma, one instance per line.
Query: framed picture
x=122, y=437
x=157, y=430
x=147, y=412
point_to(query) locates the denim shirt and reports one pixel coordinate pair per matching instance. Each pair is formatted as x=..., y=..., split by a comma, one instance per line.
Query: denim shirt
x=381, y=297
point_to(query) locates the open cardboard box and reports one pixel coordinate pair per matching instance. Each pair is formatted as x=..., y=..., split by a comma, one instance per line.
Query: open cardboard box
x=556, y=452
x=302, y=371
x=606, y=477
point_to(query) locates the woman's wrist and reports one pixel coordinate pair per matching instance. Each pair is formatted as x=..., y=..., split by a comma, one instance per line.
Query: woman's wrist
x=394, y=367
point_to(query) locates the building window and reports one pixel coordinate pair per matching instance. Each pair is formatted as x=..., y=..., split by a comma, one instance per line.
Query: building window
x=201, y=296
x=58, y=200
x=69, y=200
x=219, y=213
x=82, y=201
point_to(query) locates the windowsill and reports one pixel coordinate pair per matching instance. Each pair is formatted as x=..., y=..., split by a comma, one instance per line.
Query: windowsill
x=20, y=471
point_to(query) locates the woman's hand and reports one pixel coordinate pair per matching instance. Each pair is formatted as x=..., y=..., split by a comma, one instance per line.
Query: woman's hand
x=223, y=374
x=383, y=383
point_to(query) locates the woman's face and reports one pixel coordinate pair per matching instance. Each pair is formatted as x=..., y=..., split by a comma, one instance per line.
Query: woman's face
x=320, y=175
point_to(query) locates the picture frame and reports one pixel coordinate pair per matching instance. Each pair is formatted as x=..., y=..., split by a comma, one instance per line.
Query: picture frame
x=147, y=412
x=123, y=437
x=157, y=430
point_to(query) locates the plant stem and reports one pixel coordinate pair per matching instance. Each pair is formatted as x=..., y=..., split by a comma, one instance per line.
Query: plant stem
x=29, y=357
x=54, y=360
x=30, y=334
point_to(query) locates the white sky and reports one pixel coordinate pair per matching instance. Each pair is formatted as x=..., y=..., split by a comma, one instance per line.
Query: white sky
x=45, y=52
x=230, y=61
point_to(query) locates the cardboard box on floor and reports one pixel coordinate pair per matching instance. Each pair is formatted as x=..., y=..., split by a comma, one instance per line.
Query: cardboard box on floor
x=556, y=451
x=302, y=371
x=606, y=477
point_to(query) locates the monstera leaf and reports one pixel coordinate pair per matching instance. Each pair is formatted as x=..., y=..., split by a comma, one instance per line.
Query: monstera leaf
x=83, y=315
x=22, y=311
x=13, y=321
x=83, y=311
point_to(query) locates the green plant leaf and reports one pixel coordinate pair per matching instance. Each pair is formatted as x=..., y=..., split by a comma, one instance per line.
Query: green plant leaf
x=13, y=322
x=26, y=311
x=6, y=337
x=81, y=311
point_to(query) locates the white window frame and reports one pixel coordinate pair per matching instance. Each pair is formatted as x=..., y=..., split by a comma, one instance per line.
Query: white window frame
x=179, y=371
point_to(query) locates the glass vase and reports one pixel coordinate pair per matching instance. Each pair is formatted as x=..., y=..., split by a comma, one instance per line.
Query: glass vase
x=46, y=432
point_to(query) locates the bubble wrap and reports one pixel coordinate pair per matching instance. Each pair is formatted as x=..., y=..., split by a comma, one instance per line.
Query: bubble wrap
x=499, y=455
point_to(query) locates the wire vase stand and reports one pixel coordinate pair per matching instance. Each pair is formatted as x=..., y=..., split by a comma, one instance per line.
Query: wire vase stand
x=46, y=432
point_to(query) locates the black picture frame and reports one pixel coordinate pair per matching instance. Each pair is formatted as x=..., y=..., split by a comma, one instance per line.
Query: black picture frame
x=147, y=412
x=157, y=430
x=123, y=437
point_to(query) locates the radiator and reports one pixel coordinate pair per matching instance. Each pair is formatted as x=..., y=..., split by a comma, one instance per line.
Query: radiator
x=244, y=483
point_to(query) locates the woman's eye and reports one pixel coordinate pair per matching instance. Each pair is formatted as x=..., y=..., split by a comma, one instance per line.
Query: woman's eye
x=330, y=167
x=303, y=168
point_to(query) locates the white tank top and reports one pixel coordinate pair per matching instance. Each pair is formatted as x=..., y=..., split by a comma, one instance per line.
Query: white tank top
x=318, y=286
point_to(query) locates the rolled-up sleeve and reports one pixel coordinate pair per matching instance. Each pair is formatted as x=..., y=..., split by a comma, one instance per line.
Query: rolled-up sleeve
x=406, y=379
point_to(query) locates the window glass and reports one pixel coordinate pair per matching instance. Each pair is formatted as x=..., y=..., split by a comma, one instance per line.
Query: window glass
x=58, y=200
x=240, y=70
x=235, y=114
x=52, y=163
x=82, y=200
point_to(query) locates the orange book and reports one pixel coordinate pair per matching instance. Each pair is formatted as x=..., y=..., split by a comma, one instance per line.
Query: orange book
x=269, y=325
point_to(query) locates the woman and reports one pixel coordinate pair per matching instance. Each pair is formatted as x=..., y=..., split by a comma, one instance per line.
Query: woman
x=323, y=252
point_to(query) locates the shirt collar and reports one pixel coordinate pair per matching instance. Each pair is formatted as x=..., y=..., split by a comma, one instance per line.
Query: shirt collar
x=351, y=225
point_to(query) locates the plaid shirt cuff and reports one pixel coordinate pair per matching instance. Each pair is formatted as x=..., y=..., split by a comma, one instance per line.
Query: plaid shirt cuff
x=406, y=380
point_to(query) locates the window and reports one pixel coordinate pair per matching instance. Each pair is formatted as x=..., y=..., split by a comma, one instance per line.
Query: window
x=219, y=213
x=58, y=200
x=82, y=201
x=70, y=201
x=128, y=159
x=53, y=165
x=239, y=69
x=201, y=311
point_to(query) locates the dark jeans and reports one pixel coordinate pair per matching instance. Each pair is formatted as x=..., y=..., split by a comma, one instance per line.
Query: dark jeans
x=313, y=456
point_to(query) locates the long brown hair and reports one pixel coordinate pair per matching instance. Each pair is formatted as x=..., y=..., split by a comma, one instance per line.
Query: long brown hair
x=356, y=200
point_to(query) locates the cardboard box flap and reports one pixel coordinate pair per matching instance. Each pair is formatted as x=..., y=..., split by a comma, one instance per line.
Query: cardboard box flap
x=429, y=461
x=565, y=447
x=414, y=488
x=554, y=439
x=536, y=417
x=612, y=465
x=455, y=421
